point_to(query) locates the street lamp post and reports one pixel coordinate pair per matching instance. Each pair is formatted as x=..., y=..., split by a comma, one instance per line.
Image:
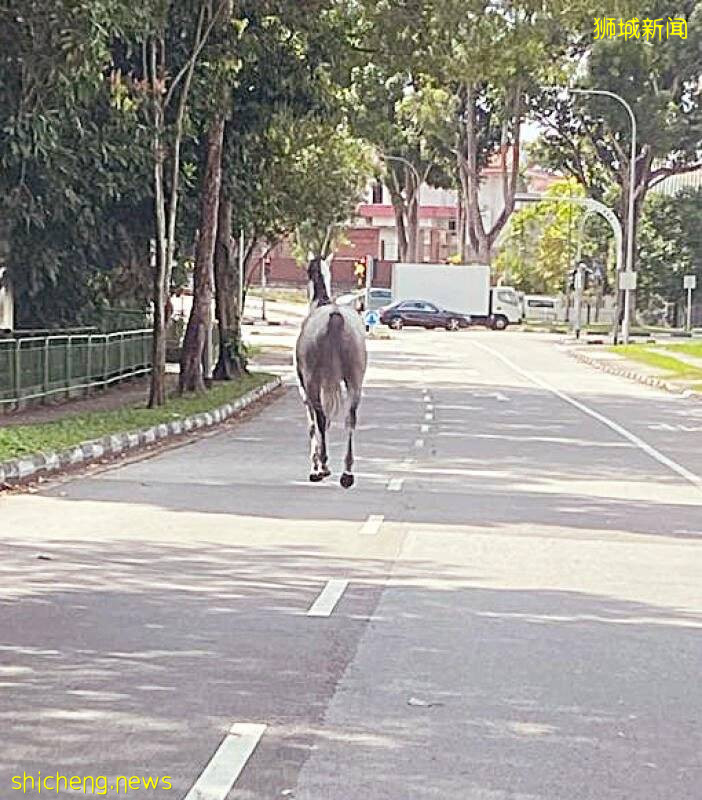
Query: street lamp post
x=630, y=279
x=384, y=157
x=579, y=278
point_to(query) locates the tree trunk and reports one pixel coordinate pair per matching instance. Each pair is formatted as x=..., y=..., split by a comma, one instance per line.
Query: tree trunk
x=157, y=389
x=191, y=372
x=412, y=225
x=461, y=229
x=400, y=227
x=412, y=191
x=230, y=359
x=476, y=229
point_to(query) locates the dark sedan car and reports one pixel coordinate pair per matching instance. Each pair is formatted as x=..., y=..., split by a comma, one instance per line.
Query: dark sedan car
x=422, y=314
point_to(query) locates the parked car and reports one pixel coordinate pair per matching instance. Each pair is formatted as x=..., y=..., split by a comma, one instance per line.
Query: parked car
x=420, y=313
x=351, y=299
x=542, y=308
x=377, y=299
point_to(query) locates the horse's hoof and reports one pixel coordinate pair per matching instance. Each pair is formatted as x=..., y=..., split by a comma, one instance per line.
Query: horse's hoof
x=325, y=472
x=316, y=477
x=347, y=480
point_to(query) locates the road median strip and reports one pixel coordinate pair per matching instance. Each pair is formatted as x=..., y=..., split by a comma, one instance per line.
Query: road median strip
x=30, y=466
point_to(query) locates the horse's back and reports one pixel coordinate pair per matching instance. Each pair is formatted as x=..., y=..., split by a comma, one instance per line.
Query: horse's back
x=325, y=345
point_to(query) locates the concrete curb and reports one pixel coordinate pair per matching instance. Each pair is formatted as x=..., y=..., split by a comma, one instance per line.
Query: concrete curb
x=21, y=470
x=623, y=372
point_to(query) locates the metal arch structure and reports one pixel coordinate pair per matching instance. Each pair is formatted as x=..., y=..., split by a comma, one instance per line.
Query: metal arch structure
x=598, y=208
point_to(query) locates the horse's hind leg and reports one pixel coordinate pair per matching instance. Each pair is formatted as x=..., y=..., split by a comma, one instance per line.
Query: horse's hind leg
x=318, y=441
x=314, y=458
x=347, y=478
x=322, y=422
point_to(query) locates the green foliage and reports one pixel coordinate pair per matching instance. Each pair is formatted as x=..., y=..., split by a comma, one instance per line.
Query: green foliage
x=589, y=137
x=330, y=169
x=541, y=242
x=670, y=245
x=72, y=175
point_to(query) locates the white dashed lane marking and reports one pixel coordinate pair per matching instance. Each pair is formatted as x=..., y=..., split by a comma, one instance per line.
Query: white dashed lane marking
x=328, y=598
x=372, y=525
x=225, y=766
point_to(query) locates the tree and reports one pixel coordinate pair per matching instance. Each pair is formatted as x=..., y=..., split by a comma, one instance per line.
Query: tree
x=332, y=170
x=590, y=138
x=489, y=60
x=289, y=69
x=169, y=40
x=191, y=372
x=670, y=246
x=410, y=124
x=541, y=242
x=72, y=173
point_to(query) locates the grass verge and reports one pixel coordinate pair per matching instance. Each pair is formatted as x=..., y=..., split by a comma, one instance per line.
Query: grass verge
x=667, y=365
x=21, y=440
x=688, y=348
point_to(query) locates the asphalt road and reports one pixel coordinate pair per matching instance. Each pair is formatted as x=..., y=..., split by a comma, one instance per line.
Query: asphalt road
x=514, y=608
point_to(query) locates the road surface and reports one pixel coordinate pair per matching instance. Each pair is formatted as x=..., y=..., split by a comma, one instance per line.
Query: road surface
x=507, y=605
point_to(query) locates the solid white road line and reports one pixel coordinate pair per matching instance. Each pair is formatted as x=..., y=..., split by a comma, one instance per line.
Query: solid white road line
x=372, y=525
x=424, y=429
x=419, y=443
x=678, y=469
x=395, y=484
x=225, y=766
x=328, y=598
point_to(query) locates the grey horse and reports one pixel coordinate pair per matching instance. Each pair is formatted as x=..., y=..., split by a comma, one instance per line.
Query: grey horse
x=330, y=352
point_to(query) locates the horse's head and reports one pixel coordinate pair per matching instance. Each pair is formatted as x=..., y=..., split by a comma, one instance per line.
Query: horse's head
x=319, y=274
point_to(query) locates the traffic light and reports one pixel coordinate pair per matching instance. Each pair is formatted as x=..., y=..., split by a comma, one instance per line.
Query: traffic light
x=359, y=269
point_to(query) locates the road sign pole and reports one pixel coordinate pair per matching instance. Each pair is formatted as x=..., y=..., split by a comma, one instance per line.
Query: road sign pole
x=370, y=266
x=579, y=278
x=690, y=284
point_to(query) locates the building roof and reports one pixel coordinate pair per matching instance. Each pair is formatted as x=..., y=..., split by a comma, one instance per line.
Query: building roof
x=386, y=211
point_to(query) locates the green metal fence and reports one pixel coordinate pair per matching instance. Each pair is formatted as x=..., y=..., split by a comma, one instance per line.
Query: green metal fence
x=41, y=367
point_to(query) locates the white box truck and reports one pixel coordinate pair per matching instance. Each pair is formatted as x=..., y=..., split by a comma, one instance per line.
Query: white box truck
x=463, y=288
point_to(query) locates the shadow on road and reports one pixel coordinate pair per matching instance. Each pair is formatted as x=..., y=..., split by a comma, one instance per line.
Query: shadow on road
x=121, y=658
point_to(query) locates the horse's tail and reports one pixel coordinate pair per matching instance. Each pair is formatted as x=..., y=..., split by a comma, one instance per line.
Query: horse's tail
x=332, y=398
